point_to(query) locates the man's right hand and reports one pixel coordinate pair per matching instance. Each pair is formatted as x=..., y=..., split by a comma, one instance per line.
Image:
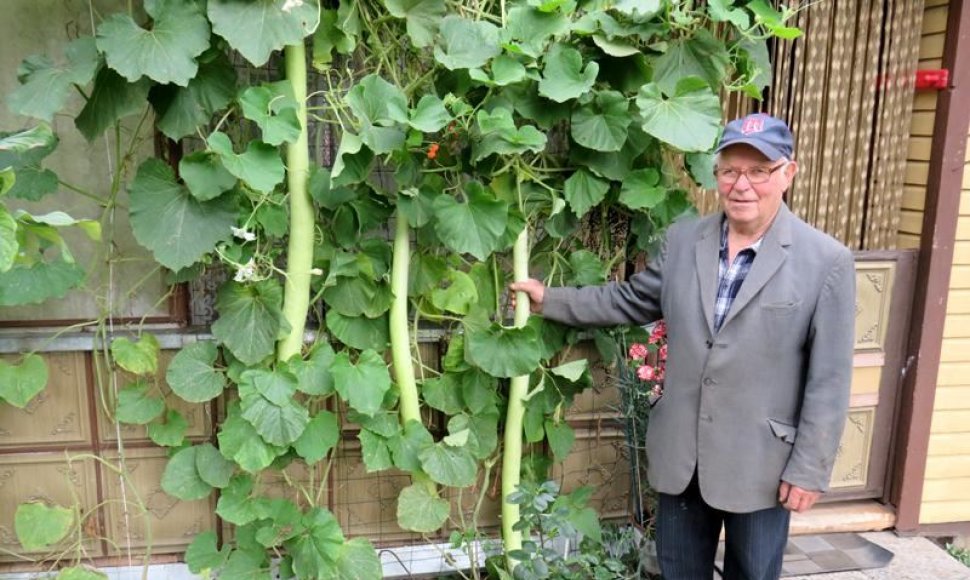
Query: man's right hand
x=534, y=289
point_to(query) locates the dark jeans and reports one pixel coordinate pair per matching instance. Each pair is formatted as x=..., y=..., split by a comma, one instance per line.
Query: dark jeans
x=687, y=536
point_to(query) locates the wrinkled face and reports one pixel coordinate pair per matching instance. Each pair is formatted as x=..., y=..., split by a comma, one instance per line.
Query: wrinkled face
x=750, y=186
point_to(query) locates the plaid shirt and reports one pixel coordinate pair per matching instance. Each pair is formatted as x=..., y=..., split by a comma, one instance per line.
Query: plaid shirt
x=730, y=278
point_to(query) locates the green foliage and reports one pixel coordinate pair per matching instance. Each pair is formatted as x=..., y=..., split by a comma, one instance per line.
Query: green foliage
x=165, y=218
x=961, y=554
x=513, y=122
x=39, y=526
x=21, y=383
x=80, y=573
x=139, y=357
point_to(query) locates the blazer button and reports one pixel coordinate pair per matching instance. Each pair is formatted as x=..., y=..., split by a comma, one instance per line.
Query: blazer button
x=708, y=381
x=709, y=343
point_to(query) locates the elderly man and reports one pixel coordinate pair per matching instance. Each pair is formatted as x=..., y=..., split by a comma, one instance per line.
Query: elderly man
x=760, y=311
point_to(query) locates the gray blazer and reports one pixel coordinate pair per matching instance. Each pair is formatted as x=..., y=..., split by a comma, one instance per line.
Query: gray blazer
x=765, y=398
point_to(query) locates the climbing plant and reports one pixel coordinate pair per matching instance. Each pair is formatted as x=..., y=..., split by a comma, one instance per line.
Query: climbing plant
x=478, y=143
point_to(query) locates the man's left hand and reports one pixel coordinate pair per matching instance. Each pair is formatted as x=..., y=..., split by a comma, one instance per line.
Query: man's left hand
x=796, y=499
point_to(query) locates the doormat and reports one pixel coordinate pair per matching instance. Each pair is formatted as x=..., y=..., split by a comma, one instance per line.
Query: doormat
x=822, y=553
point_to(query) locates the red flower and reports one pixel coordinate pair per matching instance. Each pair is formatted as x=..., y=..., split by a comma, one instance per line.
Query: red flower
x=638, y=351
x=433, y=151
x=646, y=373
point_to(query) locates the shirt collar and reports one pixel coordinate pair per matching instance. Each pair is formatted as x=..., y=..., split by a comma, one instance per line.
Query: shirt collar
x=724, y=237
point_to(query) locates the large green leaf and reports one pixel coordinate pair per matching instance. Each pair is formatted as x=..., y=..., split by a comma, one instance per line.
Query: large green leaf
x=181, y=110
x=443, y=393
x=213, y=468
x=357, y=561
x=171, y=431
x=422, y=18
x=458, y=293
x=21, y=383
x=9, y=247
x=688, y=120
x=320, y=435
x=429, y=115
x=503, y=352
x=533, y=27
x=481, y=432
x=256, y=28
x=641, y=189
x=38, y=283
x=357, y=296
x=277, y=424
x=192, y=374
x=202, y=554
x=205, y=176
x=260, y=166
x=45, y=86
x=136, y=406
x=420, y=510
x=561, y=438
x=250, y=318
x=273, y=108
x=466, y=43
x=328, y=36
x=563, y=75
x=601, y=124
x=474, y=227
x=277, y=386
x=500, y=135
x=447, y=465
x=38, y=526
x=701, y=55
x=723, y=11
x=268, y=404
x=139, y=357
x=21, y=153
x=361, y=385
x=239, y=441
x=316, y=550
x=406, y=446
x=181, y=477
x=374, y=451
x=359, y=332
x=166, y=52
x=584, y=191
x=166, y=219
x=236, y=504
x=313, y=374
x=112, y=99
x=80, y=573
x=639, y=9
x=377, y=102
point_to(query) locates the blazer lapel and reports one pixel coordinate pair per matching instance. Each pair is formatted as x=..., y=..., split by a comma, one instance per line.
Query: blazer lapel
x=770, y=257
x=706, y=255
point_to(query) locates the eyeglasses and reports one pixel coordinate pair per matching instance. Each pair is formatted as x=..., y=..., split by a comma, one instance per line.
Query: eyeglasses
x=755, y=175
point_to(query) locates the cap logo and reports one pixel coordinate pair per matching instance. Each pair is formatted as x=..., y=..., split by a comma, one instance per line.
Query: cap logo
x=752, y=125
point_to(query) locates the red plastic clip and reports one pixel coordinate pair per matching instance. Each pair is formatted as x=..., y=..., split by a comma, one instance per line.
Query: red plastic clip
x=936, y=79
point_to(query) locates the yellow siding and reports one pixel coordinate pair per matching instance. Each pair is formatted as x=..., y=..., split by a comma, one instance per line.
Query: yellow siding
x=961, y=250
x=938, y=512
x=947, y=467
x=955, y=373
x=953, y=397
x=957, y=326
x=946, y=490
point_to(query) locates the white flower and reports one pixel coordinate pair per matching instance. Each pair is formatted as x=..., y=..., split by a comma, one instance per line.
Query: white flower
x=246, y=272
x=243, y=234
x=316, y=272
x=291, y=4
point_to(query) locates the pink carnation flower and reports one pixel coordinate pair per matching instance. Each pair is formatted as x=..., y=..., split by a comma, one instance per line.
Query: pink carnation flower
x=638, y=351
x=646, y=373
x=663, y=352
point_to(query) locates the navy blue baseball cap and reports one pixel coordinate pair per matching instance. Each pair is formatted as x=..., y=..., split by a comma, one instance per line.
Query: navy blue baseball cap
x=765, y=133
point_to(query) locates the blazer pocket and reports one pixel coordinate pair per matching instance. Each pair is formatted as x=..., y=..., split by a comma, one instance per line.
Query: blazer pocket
x=784, y=431
x=782, y=308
